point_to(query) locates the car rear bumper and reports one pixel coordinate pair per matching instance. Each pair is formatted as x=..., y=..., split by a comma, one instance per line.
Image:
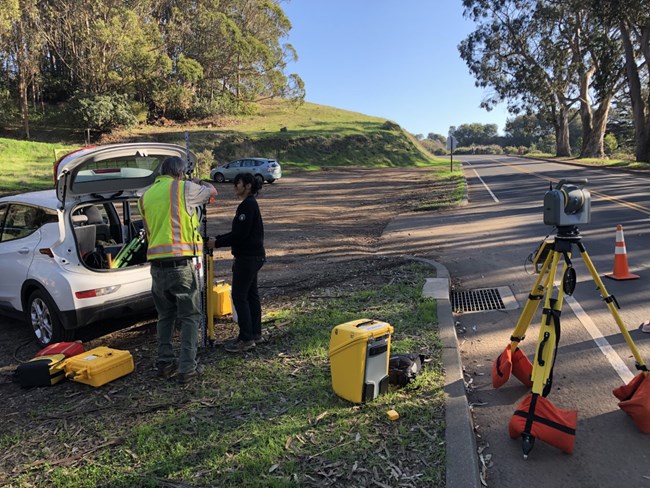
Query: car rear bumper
x=138, y=304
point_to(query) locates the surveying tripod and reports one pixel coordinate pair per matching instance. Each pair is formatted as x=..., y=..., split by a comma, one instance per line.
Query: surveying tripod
x=550, y=253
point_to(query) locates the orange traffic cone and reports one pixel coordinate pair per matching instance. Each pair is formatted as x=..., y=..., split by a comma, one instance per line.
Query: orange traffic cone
x=621, y=270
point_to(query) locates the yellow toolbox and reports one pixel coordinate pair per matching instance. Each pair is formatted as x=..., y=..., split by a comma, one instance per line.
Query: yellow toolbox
x=99, y=366
x=359, y=352
x=221, y=301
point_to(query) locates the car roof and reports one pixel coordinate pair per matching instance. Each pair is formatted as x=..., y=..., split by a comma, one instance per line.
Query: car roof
x=42, y=198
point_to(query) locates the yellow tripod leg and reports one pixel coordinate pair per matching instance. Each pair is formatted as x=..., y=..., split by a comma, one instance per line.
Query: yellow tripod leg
x=535, y=296
x=546, y=342
x=612, y=305
x=210, y=299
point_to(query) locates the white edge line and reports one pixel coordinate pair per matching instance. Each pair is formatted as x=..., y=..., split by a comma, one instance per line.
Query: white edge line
x=486, y=187
x=608, y=351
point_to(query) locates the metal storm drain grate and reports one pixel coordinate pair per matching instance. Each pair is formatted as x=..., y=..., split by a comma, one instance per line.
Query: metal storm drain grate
x=483, y=299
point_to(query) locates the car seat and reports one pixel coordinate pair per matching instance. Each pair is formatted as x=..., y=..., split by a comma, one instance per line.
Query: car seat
x=102, y=230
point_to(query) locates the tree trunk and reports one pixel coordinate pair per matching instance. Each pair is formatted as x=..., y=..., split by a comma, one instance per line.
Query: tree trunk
x=24, y=105
x=593, y=142
x=641, y=122
x=562, y=145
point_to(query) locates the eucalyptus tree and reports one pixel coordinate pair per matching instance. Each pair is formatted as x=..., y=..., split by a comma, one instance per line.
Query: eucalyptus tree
x=238, y=44
x=521, y=56
x=632, y=20
x=19, y=41
x=546, y=57
x=103, y=46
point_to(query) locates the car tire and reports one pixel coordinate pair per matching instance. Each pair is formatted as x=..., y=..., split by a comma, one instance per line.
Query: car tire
x=218, y=177
x=260, y=179
x=272, y=180
x=43, y=316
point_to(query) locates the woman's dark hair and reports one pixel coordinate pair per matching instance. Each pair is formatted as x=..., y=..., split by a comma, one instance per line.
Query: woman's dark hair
x=247, y=178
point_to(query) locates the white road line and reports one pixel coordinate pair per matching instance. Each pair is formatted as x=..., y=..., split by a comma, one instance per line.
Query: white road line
x=486, y=187
x=615, y=360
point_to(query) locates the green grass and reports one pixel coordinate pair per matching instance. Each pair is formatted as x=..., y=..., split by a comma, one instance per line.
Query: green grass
x=614, y=162
x=268, y=419
x=28, y=165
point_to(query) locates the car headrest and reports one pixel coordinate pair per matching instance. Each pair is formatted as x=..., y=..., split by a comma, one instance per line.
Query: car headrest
x=79, y=219
x=93, y=214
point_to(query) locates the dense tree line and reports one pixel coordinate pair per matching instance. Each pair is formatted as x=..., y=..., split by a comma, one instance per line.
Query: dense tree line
x=565, y=59
x=114, y=60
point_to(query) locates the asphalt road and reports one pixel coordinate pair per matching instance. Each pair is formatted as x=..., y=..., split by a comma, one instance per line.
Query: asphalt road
x=484, y=245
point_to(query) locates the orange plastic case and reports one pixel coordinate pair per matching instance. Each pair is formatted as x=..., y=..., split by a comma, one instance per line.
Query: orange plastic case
x=99, y=366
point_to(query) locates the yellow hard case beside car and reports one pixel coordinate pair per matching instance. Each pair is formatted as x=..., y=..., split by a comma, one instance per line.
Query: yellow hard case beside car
x=359, y=352
x=99, y=366
x=221, y=301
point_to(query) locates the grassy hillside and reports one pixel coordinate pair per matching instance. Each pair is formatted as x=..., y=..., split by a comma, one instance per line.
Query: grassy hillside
x=316, y=136
x=28, y=165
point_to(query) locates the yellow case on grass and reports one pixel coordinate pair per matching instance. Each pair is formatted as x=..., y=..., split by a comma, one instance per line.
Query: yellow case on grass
x=221, y=301
x=99, y=366
x=359, y=352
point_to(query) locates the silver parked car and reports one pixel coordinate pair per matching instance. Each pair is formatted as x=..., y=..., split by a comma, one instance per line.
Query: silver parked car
x=262, y=168
x=76, y=254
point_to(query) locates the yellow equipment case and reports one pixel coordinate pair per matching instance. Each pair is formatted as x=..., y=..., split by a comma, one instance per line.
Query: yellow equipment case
x=99, y=366
x=359, y=352
x=221, y=302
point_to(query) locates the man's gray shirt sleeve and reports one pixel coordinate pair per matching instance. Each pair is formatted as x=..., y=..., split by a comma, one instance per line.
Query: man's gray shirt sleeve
x=195, y=195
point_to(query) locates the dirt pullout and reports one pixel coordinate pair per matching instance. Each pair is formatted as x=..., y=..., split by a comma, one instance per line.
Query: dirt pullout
x=320, y=234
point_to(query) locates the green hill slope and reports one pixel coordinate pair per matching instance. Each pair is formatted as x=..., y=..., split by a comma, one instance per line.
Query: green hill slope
x=309, y=136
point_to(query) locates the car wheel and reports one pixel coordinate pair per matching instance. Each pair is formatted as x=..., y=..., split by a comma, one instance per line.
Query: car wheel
x=271, y=180
x=218, y=177
x=260, y=179
x=43, y=316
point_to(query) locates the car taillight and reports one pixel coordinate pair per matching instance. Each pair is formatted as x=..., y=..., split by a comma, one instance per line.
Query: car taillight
x=97, y=292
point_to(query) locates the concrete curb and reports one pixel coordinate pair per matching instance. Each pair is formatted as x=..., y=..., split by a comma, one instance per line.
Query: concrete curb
x=462, y=468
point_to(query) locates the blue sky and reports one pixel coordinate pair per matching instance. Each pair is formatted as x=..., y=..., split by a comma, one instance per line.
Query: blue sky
x=396, y=59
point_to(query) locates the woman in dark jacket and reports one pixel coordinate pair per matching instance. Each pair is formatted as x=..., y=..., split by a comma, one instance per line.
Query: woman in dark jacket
x=246, y=240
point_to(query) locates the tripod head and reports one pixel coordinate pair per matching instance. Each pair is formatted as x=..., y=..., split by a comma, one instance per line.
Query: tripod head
x=569, y=232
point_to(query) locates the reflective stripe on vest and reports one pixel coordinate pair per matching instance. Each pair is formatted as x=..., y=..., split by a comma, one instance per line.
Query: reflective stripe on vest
x=171, y=231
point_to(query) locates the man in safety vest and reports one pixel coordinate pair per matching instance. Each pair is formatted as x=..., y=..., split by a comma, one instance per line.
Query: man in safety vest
x=169, y=211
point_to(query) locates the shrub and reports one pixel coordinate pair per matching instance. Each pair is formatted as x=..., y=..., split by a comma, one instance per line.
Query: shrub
x=204, y=163
x=390, y=125
x=8, y=109
x=510, y=150
x=611, y=144
x=102, y=112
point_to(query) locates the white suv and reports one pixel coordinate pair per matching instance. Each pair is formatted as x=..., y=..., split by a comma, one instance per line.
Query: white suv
x=261, y=168
x=76, y=254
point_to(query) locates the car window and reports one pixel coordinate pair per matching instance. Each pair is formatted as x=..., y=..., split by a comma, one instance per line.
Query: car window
x=249, y=163
x=234, y=164
x=23, y=220
x=126, y=167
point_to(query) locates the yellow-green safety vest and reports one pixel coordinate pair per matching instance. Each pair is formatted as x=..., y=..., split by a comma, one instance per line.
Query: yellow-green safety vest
x=171, y=231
